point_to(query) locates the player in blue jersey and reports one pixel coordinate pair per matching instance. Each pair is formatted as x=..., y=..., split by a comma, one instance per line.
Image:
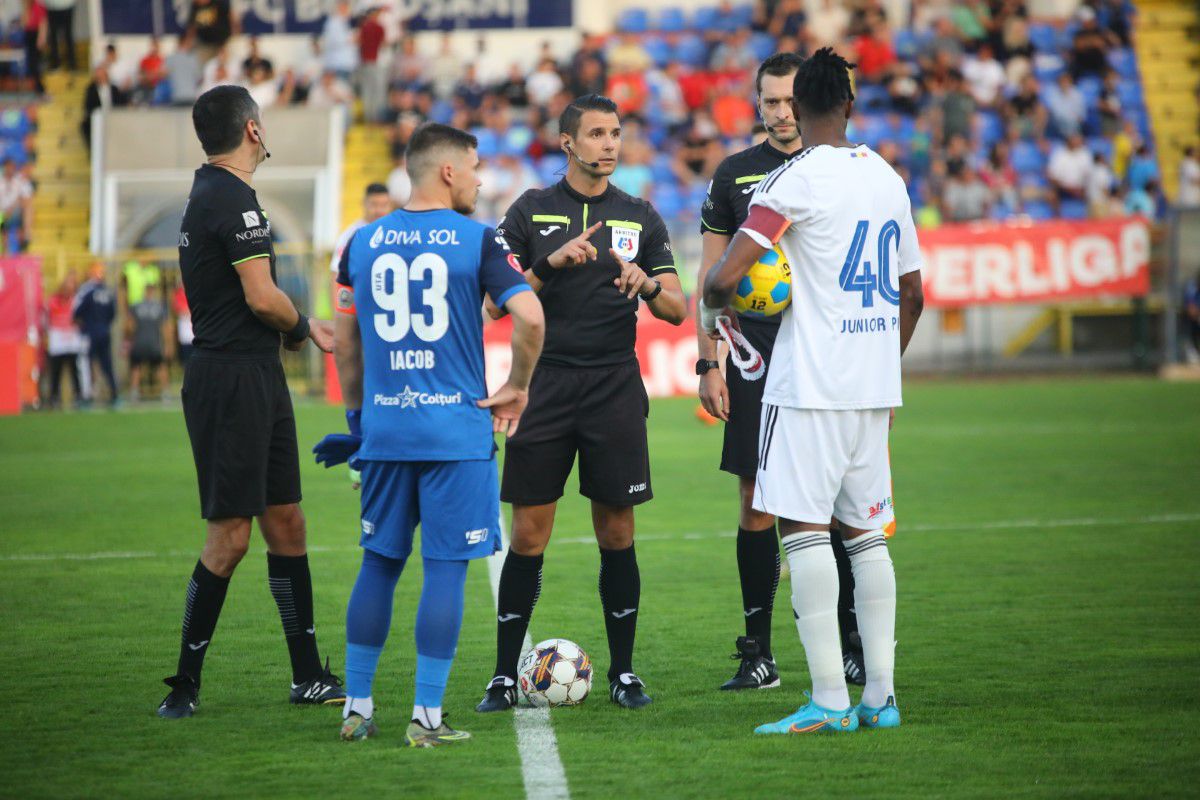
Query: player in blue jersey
x=409, y=350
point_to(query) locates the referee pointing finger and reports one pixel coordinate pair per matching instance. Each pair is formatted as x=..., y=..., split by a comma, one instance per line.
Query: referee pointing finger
x=236, y=402
x=591, y=252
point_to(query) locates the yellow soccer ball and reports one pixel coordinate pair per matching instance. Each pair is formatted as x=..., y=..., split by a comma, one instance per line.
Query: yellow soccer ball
x=766, y=290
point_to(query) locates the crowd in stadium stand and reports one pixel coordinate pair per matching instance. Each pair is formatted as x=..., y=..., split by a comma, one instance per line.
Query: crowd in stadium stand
x=986, y=112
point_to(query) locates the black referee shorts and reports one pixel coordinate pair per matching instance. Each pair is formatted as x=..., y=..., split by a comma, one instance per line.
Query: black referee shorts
x=739, y=452
x=243, y=431
x=599, y=413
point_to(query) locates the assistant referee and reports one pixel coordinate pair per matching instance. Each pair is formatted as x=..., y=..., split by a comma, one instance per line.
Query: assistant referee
x=590, y=251
x=236, y=402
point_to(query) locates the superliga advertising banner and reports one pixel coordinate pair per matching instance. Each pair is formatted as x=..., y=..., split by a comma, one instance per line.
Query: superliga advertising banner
x=964, y=265
x=168, y=17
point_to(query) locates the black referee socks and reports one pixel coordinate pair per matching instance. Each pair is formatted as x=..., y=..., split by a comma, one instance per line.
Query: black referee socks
x=847, y=619
x=520, y=585
x=620, y=593
x=205, y=596
x=758, y=568
x=291, y=586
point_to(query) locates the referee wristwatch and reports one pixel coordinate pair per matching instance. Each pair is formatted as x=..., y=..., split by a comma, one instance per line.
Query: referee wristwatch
x=704, y=365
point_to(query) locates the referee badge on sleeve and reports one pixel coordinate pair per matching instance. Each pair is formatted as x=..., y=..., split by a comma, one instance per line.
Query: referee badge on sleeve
x=625, y=241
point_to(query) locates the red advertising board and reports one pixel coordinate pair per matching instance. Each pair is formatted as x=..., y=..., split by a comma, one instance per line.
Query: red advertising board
x=987, y=263
x=20, y=305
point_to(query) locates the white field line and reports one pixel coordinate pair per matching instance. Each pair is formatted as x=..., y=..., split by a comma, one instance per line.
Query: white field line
x=541, y=767
x=965, y=527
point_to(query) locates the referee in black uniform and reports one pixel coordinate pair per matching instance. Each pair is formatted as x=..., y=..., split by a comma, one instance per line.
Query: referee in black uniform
x=236, y=402
x=738, y=402
x=591, y=252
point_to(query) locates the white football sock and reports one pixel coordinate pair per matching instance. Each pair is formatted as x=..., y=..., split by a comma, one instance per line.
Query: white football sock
x=875, y=603
x=363, y=706
x=814, y=601
x=428, y=716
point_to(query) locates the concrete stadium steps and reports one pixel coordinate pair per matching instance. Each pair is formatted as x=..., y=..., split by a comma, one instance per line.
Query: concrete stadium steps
x=366, y=160
x=1167, y=43
x=63, y=172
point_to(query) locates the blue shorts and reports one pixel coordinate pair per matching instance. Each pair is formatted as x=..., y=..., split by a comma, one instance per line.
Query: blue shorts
x=457, y=504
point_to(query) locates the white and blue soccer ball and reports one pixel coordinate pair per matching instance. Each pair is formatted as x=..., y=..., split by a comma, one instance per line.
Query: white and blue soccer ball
x=766, y=290
x=555, y=672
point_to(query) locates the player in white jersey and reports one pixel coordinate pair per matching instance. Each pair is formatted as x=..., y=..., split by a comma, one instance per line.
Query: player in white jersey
x=842, y=218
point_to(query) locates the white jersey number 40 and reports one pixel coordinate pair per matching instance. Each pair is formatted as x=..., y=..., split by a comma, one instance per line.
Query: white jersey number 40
x=852, y=279
x=390, y=276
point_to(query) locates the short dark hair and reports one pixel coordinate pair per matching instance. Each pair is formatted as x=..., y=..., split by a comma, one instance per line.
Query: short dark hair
x=777, y=66
x=822, y=82
x=568, y=120
x=431, y=137
x=375, y=188
x=219, y=117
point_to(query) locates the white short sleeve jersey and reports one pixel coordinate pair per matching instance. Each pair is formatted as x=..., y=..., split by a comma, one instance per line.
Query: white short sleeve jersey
x=341, y=243
x=841, y=217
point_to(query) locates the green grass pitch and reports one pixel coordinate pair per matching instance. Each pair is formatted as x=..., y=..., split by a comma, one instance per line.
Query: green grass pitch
x=1047, y=562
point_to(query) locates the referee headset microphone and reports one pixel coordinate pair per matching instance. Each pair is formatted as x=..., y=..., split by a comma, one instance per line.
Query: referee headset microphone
x=261, y=141
x=571, y=150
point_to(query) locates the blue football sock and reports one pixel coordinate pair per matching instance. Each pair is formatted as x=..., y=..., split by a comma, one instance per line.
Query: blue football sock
x=368, y=618
x=439, y=619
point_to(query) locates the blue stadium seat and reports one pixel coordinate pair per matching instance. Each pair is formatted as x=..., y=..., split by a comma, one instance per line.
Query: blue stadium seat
x=670, y=20
x=667, y=200
x=489, y=143
x=633, y=20
x=705, y=18
x=657, y=48
x=696, y=196
x=1090, y=88
x=551, y=168
x=1073, y=209
x=15, y=123
x=1043, y=38
x=1027, y=157
x=991, y=127
x=517, y=139
x=691, y=51
x=1047, y=73
x=870, y=97
x=906, y=44
x=1123, y=61
x=1130, y=94
x=763, y=45
x=1039, y=210
x=660, y=168
x=1033, y=180
x=441, y=111
x=1101, y=145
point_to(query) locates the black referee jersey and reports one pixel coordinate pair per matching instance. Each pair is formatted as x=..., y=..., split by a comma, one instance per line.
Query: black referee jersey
x=728, y=201
x=236, y=402
x=724, y=211
x=588, y=322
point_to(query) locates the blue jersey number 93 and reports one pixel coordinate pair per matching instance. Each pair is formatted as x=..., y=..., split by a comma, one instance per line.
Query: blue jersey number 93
x=856, y=275
x=390, y=277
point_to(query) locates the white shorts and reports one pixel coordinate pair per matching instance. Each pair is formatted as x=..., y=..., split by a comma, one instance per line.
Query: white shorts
x=815, y=464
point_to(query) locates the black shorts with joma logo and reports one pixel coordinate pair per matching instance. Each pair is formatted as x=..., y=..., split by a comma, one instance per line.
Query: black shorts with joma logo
x=599, y=413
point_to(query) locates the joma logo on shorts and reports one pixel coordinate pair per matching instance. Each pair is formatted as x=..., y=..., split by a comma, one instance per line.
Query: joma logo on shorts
x=637, y=487
x=477, y=536
x=368, y=528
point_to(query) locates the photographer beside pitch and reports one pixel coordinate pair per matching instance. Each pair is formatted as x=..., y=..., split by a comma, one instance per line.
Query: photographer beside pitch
x=590, y=251
x=236, y=403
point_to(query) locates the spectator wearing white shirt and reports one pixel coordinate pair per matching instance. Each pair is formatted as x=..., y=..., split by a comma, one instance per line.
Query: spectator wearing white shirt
x=985, y=76
x=16, y=202
x=221, y=69
x=1100, y=181
x=1189, y=179
x=1069, y=168
x=262, y=86
x=1067, y=106
x=544, y=83
x=399, y=185
x=338, y=42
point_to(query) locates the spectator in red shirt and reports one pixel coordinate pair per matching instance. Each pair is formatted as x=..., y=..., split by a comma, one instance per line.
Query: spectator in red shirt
x=64, y=342
x=35, y=25
x=875, y=54
x=734, y=114
x=628, y=90
x=372, y=77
